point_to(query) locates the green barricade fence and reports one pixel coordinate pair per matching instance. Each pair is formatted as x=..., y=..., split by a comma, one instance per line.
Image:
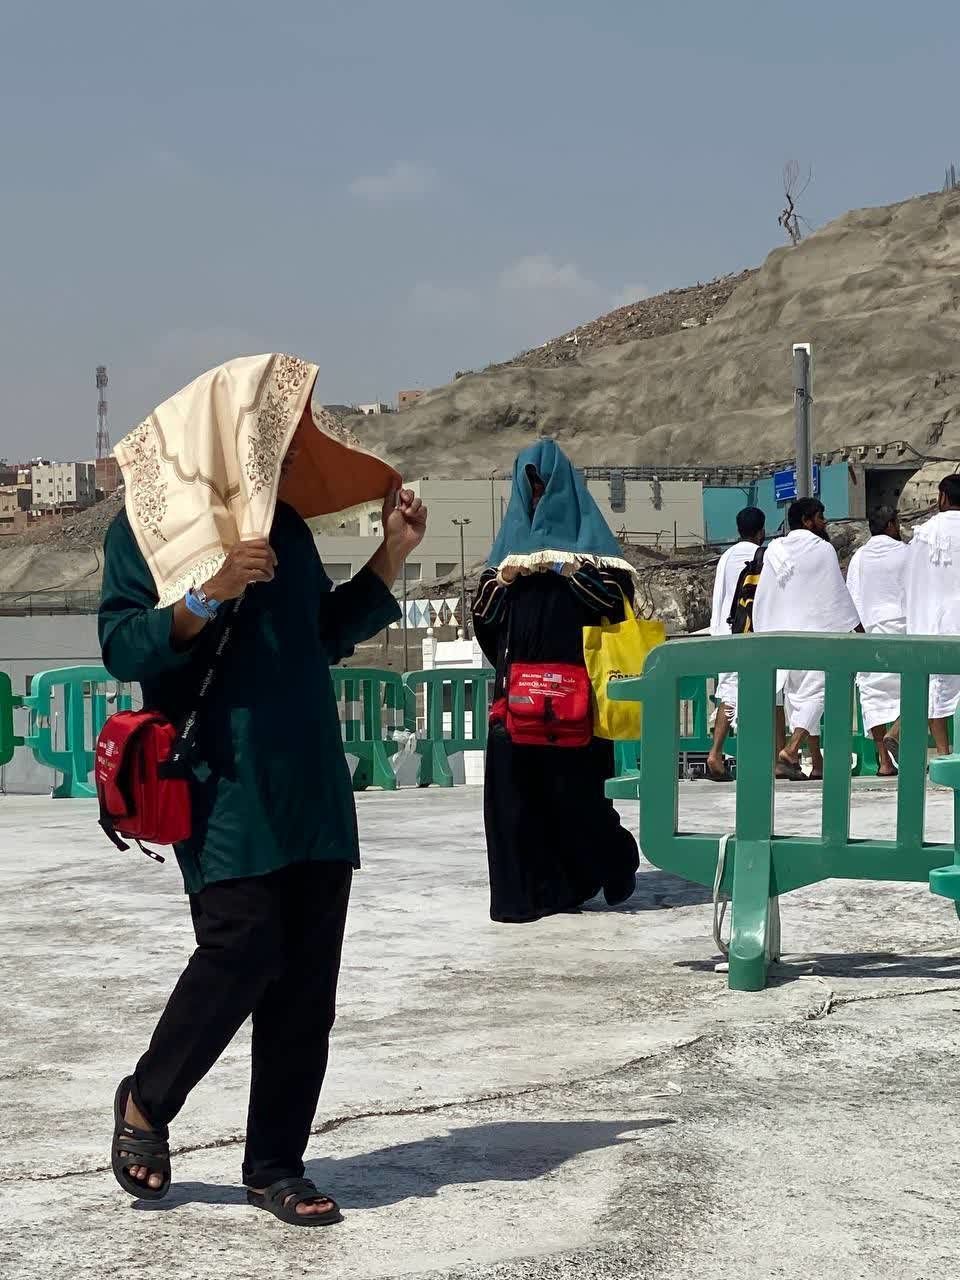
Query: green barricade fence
x=86, y=704
x=695, y=734
x=693, y=690
x=8, y=739
x=443, y=687
x=751, y=865
x=373, y=705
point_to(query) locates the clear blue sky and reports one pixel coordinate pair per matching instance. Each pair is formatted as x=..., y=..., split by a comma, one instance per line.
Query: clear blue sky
x=401, y=188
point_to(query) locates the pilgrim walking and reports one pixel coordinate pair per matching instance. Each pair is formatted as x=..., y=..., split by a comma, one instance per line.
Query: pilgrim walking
x=219, y=480
x=801, y=588
x=933, y=597
x=751, y=526
x=876, y=582
x=553, y=840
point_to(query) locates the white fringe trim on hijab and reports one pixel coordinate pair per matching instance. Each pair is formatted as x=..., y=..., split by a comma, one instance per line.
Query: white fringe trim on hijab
x=200, y=573
x=543, y=562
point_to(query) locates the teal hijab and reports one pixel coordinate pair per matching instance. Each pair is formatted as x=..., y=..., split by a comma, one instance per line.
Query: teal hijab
x=567, y=520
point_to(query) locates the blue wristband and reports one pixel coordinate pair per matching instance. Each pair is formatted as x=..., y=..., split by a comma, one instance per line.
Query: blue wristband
x=199, y=608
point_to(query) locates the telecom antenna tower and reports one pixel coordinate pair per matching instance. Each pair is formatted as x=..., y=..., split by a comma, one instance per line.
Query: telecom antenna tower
x=103, y=435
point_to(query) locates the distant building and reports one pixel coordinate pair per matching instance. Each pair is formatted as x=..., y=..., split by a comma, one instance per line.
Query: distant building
x=371, y=410
x=340, y=410
x=107, y=471
x=63, y=484
x=14, y=508
x=406, y=398
x=670, y=515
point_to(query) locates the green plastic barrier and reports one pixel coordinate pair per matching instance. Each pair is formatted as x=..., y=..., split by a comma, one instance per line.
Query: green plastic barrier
x=8, y=739
x=437, y=746
x=372, y=705
x=693, y=690
x=85, y=709
x=759, y=866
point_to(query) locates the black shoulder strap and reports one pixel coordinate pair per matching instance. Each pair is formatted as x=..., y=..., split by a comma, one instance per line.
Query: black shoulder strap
x=182, y=750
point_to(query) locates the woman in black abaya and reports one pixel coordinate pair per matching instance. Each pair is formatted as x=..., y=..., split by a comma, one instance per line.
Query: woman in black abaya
x=553, y=839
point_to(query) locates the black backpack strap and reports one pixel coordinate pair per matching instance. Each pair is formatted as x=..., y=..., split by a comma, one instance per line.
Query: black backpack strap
x=181, y=753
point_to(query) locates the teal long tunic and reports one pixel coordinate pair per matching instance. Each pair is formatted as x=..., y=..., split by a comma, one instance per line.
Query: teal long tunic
x=271, y=784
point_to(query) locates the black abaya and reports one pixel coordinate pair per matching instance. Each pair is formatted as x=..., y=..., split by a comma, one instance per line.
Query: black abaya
x=553, y=839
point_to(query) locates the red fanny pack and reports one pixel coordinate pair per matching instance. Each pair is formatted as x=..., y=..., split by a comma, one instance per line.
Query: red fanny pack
x=142, y=768
x=140, y=797
x=547, y=705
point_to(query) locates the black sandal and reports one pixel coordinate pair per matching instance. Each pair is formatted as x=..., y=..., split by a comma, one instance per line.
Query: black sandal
x=281, y=1199
x=147, y=1148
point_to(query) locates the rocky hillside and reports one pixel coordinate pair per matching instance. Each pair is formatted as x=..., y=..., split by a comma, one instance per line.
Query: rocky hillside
x=877, y=292
x=669, y=312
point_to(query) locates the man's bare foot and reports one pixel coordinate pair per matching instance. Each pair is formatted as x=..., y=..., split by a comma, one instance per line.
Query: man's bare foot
x=788, y=766
x=133, y=1115
x=717, y=767
x=306, y=1208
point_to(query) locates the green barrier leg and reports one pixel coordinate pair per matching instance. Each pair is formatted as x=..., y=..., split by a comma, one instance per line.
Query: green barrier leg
x=73, y=784
x=627, y=757
x=751, y=916
x=753, y=856
x=373, y=767
x=434, y=765
x=383, y=775
x=363, y=773
x=945, y=881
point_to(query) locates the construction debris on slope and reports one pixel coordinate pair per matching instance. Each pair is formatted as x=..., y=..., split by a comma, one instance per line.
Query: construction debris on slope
x=647, y=318
x=85, y=529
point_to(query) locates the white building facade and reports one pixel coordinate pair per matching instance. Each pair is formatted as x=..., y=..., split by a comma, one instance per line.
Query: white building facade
x=63, y=484
x=661, y=515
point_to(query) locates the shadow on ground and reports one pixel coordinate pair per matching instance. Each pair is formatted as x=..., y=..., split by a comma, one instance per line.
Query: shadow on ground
x=658, y=891
x=501, y=1152
x=864, y=964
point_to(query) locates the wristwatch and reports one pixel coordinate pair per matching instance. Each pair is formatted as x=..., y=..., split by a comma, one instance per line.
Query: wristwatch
x=200, y=604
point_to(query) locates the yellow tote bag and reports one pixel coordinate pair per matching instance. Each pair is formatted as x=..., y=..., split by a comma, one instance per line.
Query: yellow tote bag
x=616, y=651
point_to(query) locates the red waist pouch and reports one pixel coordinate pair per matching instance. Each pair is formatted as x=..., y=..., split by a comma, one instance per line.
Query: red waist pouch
x=548, y=705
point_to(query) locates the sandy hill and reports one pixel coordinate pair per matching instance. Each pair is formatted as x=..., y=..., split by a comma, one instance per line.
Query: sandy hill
x=877, y=292
x=695, y=375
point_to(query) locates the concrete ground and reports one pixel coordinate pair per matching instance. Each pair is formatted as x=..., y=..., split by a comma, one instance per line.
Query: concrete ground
x=578, y=1098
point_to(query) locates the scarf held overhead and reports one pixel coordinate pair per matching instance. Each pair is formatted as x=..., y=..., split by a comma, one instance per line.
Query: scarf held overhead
x=567, y=524
x=203, y=471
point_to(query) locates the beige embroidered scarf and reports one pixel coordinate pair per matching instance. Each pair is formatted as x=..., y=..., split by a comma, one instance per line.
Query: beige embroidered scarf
x=204, y=470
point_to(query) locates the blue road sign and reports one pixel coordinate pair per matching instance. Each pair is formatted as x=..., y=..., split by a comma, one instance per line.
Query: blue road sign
x=785, y=483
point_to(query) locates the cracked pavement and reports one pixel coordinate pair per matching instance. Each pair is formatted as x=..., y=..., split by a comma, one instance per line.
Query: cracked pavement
x=582, y=1097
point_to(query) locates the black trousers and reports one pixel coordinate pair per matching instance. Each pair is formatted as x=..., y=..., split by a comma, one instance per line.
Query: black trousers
x=267, y=947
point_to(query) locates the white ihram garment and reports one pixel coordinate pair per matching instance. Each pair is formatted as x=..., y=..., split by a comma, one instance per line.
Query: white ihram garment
x=876, y=580
x=801, y=588
x=729, y=568
x=933, y=597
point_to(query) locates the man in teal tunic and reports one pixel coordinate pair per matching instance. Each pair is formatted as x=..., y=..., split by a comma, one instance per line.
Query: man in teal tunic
x=274, y=844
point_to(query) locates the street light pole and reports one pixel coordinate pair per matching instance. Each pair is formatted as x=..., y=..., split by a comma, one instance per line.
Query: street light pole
x=803, y=426
x=461, y=522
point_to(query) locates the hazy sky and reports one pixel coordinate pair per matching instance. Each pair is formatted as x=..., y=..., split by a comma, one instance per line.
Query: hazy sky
x=401, y=188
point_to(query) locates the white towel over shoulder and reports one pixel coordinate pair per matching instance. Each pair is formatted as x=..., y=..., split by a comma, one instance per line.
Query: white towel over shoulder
x=801, y=588
x=933, y=597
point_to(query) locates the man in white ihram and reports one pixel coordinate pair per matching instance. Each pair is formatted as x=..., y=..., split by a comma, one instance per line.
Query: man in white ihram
x=933, y=597
x=876, y=580
x=801, y=588
x=751, y=526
